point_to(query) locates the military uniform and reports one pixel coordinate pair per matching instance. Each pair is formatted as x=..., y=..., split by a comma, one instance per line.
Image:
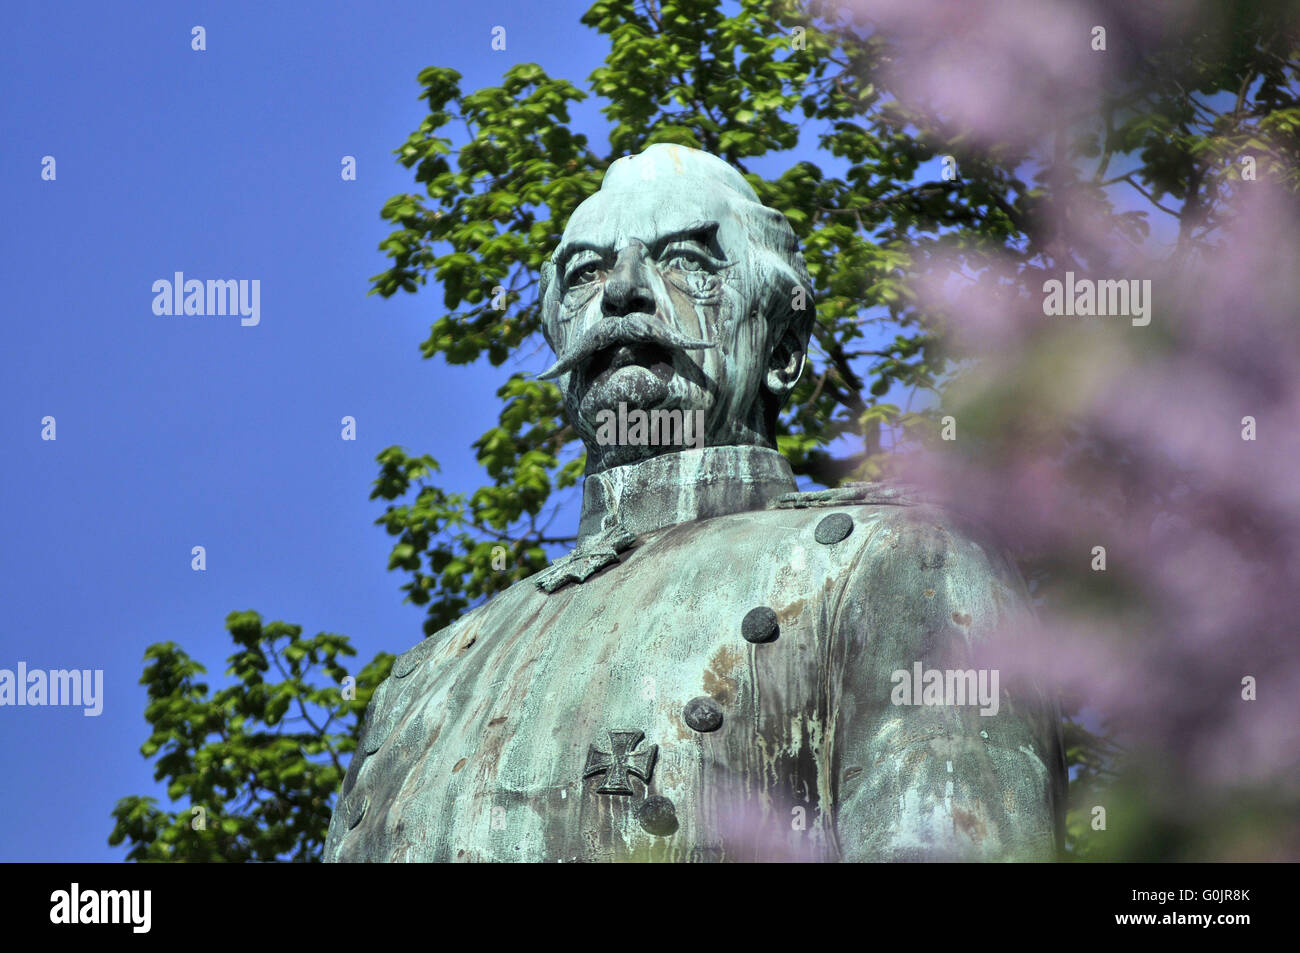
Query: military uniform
x=706, y=678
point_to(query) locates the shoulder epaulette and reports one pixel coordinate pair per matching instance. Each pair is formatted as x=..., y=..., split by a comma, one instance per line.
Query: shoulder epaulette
x=852, y=494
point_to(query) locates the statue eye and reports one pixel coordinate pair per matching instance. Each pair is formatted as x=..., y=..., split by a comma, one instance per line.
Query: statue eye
x=685, y=261
x=584, y=274
x=690, y=258
x=583, y=271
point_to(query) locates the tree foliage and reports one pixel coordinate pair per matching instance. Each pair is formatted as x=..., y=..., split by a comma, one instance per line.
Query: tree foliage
x=254, y=765
x=809, y=97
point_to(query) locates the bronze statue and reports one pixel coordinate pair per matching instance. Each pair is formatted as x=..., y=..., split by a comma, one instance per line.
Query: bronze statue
x=724, y=669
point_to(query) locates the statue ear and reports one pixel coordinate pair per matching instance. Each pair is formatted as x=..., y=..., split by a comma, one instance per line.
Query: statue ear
x=543, y=292
x=786, y=364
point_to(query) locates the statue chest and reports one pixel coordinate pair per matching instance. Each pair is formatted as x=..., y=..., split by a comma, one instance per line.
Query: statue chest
x=664, y=709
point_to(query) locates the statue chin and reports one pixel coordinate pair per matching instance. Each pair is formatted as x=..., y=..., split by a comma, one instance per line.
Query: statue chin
x=633, y=386
x=632, y=414
x=624, y=456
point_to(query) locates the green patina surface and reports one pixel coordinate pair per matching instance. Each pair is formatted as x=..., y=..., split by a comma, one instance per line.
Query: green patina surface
x=673, y=289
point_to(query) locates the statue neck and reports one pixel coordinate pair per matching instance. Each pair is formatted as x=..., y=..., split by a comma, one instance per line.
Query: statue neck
x=681, y=487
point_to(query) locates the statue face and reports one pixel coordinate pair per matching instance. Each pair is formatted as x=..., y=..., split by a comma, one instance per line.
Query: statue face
x=657, y=305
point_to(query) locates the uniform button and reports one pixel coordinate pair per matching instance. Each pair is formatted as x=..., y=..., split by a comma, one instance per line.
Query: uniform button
x=657, y=816
x=703, y=714
x=833, y=528
x=760, y=625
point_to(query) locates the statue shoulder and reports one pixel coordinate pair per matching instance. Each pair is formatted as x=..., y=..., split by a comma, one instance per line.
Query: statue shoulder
x=391, y=695
x=903, y=532
x=853, y=494
x=905, y=516
x=865, y=516
x=466, y=626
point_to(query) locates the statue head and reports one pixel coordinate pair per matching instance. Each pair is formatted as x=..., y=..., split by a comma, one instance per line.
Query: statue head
x=674, y=289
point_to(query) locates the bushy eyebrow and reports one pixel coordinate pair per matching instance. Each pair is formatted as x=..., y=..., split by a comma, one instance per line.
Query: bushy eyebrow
x=703, y=232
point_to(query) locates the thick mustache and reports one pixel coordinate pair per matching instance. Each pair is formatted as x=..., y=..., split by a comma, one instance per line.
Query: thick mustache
x=630, y=329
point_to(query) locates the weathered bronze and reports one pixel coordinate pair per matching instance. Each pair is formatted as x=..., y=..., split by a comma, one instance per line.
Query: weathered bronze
x=713, y=672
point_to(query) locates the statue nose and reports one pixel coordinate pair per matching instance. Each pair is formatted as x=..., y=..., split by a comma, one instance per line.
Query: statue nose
x=627, y=289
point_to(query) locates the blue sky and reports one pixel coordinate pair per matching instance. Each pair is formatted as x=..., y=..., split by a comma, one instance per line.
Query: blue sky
x=181, y=431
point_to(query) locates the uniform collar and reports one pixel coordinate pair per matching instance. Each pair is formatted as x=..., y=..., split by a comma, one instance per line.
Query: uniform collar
x=680, y=487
